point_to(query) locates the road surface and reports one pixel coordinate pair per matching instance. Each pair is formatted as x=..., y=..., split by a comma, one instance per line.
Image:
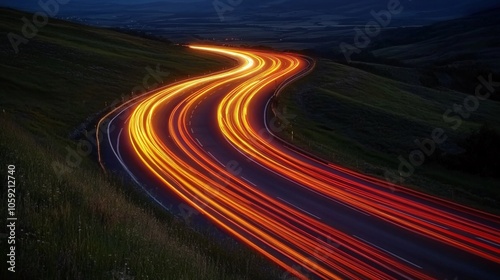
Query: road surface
x=209, y=141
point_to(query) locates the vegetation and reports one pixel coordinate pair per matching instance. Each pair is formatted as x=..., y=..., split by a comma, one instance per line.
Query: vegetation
x=366, y=121
x=480, y=156
x=83, y=224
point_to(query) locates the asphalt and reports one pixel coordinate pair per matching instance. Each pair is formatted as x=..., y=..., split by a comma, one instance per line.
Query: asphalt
x=439, y=260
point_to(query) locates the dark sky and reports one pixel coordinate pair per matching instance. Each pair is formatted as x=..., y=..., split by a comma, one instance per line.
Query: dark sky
x=415, y=8
x=302, y=3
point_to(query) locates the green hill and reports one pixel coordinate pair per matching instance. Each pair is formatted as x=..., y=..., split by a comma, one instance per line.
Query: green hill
x=366, y=121
x=449, y=54
x=84, y=225
x=409, y=82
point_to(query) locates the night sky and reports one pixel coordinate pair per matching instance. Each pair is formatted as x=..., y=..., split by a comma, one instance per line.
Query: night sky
x=196, y=5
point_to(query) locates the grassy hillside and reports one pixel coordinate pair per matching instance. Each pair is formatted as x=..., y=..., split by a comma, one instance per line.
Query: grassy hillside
x=365, y=121
x=449, y=54
x=84, y=225
x=470, y=39
x=369, y=112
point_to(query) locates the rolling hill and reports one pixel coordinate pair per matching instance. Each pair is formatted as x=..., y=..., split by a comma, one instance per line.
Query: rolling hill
x=82, y=224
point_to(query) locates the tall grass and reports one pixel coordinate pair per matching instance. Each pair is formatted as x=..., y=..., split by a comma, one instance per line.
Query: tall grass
x=84, y=225
x=365, y=121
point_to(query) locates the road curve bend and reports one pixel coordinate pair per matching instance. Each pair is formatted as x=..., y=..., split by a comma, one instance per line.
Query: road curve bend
x=210, y=141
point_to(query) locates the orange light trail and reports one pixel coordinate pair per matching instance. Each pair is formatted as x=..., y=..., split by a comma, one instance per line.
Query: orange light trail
x=239, y=130
x=275, y=229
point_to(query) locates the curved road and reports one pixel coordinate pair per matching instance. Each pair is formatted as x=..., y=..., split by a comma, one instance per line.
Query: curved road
x=209, y=140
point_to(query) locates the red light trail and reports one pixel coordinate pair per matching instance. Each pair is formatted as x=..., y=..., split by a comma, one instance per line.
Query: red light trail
x=284, y=234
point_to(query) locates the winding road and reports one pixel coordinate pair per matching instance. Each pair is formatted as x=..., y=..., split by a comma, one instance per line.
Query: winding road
x=210, y=141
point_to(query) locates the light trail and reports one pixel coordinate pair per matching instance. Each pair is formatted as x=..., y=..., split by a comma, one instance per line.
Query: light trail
x=283, y=233
x=420, y=218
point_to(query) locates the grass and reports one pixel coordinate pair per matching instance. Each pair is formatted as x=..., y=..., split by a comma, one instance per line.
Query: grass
x=85, y=225
x=365, y=121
